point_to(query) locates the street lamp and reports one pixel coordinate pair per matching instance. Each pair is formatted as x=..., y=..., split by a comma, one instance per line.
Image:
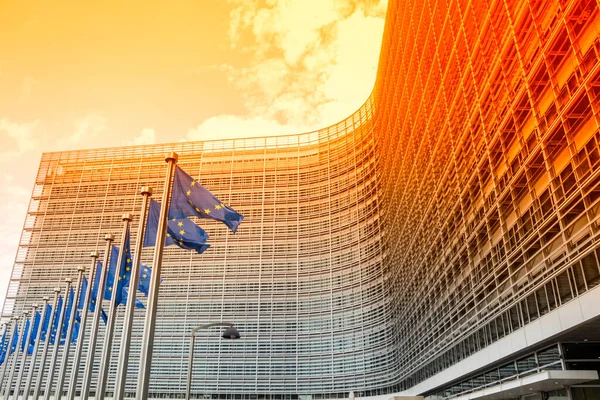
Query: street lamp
x=229, y=333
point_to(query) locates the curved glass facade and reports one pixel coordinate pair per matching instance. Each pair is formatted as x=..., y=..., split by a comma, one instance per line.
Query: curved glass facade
x=457, y=205
x=302, y=279
x=487, y=142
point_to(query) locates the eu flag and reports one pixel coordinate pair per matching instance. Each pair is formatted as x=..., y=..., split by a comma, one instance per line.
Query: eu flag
x=46, y=322
x=65, y=325
x=144, y=283
x=34, y=331
x=190, y=198
x=54, y=328
x=3, y=347
x=112, y=265
x=84, y=287
x=124, y=270
x=118, y=277
x=25, y=334
x=180, y=231
x=15, y=340
x=125, y=297
x=110, y=275
x=75, y=333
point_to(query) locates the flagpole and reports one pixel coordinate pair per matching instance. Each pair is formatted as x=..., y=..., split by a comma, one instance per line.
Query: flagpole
x=143, y=382
x=38, y=384
x=65, y=358
x=84, y=312
x=7, y=358
x=112, y=314
x=89, y=362
x=121, y=378
x=25, y=351
x=57, y=336
x=16, y=358
x=36, y=346
x=11, y=334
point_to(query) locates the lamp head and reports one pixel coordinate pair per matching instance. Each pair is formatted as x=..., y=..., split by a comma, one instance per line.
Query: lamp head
x=231, y=333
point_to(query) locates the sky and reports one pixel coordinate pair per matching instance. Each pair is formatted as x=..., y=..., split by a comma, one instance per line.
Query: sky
x=78, y=75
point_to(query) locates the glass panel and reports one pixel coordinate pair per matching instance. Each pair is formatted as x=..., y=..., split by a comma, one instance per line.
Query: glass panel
x=527, y=365
x=548, y=356
x=508, y=370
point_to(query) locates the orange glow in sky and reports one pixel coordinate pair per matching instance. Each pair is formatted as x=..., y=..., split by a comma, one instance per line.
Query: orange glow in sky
x=77, y=75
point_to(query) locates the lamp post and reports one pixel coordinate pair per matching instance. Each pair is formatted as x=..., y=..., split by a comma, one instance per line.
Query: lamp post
x=229, y=333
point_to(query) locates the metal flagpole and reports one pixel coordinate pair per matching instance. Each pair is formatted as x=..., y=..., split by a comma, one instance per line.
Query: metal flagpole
x=25, y=350
x=84, y=312
x=38, y=384
x=7, y=358
x=65, y=358
x=36, y=346
x=130, y=306
x=89, y=362
x=150, y=320
x=16, y=358
x=11, y=334
x=57, y=336
x=112, y=314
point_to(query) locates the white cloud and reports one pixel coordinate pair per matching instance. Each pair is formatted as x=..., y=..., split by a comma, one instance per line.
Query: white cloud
x=313, y=62
x=146, y=136
x=21, y=134
x=233, y=126
x=86, y=130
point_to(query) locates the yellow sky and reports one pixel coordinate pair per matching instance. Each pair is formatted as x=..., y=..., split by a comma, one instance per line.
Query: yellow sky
x=78, y=74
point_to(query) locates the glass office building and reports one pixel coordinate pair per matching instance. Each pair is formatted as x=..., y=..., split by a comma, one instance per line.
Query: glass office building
x=443, y=240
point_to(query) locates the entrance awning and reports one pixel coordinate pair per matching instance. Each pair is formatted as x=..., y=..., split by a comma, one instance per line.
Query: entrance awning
x=544, y=381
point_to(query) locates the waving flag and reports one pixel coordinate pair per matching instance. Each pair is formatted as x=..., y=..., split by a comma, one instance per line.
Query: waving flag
x=190, y=198
x=46, y=322
x=54, y=328
x=180, y=231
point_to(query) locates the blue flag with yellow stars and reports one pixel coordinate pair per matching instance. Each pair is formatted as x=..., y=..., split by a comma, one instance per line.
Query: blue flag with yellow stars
x=144, y=283
x=121, y=277
x=118, y=277
x=46, y=322
x=3, y=346
x=125, y=298
x=124, y=270
x=180, y=231
x=190, y=198
x=32, y=336
x=65, y=326
x=15, y=340
x=84, y=287
x=110, y=276
x=25, y=334
x=57, y=311
x=75, y=333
